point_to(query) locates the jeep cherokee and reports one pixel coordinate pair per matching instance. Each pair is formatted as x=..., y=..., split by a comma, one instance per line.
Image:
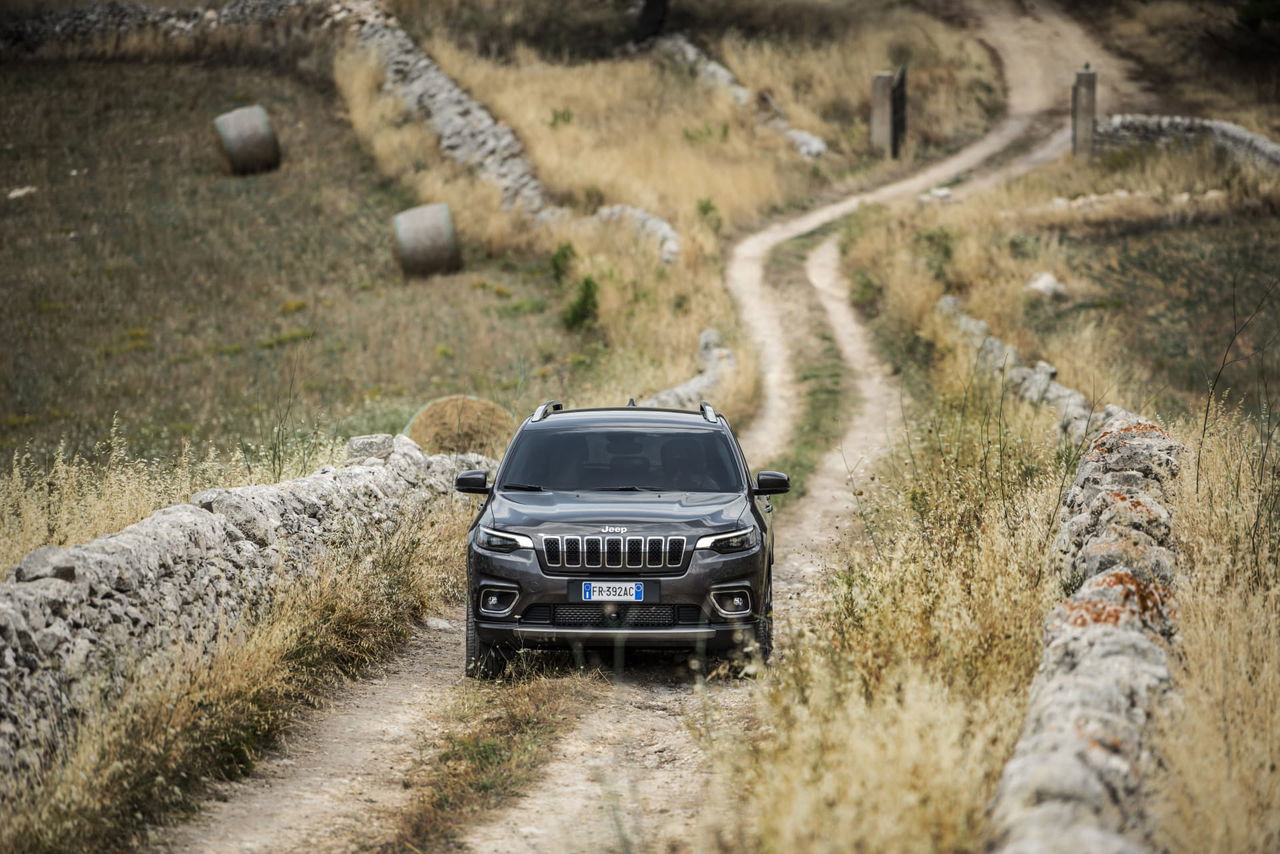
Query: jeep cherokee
x=619, y=527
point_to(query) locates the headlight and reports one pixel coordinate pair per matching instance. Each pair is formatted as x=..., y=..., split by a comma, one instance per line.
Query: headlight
x=735, y=541
x=497, y=541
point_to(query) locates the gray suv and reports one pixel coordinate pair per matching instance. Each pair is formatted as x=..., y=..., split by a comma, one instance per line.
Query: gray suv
x=620, y=527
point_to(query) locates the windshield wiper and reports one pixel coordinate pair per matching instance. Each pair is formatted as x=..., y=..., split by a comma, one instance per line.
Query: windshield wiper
x=522, y=487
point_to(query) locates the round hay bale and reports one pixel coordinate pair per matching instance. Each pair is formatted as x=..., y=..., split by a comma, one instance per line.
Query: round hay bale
x=460, y=424
x=247, y=140
x=426, y=242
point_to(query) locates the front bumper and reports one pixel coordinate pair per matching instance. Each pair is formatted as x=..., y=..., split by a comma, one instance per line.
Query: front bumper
x=700, y=626
x=707, y=636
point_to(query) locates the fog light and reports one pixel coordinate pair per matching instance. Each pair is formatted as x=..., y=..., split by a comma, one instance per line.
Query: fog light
x=497, y=601
x=732, y=603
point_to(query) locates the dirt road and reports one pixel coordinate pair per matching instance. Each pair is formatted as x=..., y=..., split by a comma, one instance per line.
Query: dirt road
x=628, y=777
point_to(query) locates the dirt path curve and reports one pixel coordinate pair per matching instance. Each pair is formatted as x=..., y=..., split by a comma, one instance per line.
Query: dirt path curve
x=1040, y=47
x=630, y=775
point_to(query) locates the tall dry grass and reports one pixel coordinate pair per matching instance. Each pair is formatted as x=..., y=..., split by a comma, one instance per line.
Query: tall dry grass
x=644, y=335
x=823, y=84
x=72, y=498
x=887, y=721
x=185, y=718
x=987, y=249
x=1217, y=788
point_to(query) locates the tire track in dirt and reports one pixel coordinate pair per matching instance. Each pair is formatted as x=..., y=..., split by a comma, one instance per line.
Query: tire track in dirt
x=339, y=768
x=630, y=775
x=628, y=778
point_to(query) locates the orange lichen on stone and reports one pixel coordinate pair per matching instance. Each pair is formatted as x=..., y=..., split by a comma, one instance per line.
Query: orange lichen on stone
x=1139, y=600
x=1140, y=427
x=1094, y=613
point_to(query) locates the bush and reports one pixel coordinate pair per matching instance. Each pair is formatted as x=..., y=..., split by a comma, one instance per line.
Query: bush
x=583, y=310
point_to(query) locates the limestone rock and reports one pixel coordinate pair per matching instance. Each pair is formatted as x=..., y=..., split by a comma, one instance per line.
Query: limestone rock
x=1046, y=286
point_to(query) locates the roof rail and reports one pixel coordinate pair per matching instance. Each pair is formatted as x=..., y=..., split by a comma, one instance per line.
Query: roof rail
x=708, y=412
x=546, y=409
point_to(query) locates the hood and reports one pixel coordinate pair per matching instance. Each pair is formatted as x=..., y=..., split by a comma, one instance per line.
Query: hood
x=641, y=513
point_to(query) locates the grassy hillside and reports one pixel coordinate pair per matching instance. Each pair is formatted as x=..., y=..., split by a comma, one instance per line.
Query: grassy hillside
x=1207, y=57
x=144, y=282
x=902, y=698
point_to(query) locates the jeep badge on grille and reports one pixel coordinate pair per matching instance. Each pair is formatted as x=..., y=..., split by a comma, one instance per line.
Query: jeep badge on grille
x=611, y=529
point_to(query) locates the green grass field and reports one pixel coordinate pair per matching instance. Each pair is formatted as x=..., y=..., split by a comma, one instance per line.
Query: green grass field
x=141, y=279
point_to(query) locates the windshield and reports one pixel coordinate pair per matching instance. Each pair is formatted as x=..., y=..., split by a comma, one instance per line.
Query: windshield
x=623, y=458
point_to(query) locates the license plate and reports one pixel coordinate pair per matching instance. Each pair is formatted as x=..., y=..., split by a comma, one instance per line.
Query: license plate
x=613, y=591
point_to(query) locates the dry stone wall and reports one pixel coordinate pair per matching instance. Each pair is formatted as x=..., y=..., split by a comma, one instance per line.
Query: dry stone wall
x=1037, y=384
x=716, y=75
x=1130, y=129
x=1075, y=781
x=716, y=364
x=79, y=620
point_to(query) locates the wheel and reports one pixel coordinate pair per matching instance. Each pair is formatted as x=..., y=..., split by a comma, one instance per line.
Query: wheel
x=764, y=623
x=484, y=660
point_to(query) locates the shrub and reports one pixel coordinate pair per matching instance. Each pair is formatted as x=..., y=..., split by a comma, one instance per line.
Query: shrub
x=583, y=310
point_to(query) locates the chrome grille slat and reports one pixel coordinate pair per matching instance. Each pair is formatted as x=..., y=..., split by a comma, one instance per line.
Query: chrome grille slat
x=613, y=552
x=594, y=551
x=573, y=551
x=635, y=552
x=551, y=548
x=675, y=551
x=656, y=553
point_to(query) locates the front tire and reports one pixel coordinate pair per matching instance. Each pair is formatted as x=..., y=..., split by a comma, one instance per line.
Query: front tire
x=484, y=660
x=764, y=624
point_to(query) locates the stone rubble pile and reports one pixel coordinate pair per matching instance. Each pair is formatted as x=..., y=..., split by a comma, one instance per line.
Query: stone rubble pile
x=77, y=621
x=1074, y=782
x=716, y=75
x=716, y=364
x=468, y=132
x=653, y=227
x=1129, y=129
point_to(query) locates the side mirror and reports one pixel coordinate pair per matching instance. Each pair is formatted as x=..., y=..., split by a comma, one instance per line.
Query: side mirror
x=772, y=483
x=473, y=482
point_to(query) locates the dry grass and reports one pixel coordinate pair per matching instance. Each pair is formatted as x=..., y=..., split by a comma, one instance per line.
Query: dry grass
x=824, y=86
x=607, y=128
x=1149, y=317
x=185, y=719
x=142, y=280
x=501, y=735
x=1194, y=58
x=886, y=724
x=1218, y=789
x=73, y=499
x=1149, y=276
x=460, y=424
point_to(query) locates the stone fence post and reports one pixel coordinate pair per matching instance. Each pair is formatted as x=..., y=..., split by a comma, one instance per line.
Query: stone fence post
x=889, y=112
x=1084, y=108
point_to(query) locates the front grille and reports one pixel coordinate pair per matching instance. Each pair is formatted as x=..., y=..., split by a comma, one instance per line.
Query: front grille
x=641, y=553
x=607, y=616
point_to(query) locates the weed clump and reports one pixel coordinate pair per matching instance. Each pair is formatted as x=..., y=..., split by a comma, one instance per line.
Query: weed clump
x=582, y=312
